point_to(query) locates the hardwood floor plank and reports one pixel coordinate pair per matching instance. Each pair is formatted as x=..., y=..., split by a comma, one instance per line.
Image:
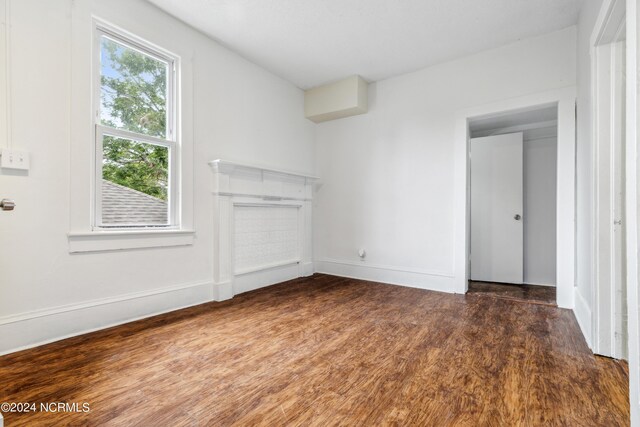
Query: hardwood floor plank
x=525, y=293
x=328, y=351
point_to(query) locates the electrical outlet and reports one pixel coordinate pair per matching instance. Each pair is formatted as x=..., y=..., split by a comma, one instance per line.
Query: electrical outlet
x=15, y=159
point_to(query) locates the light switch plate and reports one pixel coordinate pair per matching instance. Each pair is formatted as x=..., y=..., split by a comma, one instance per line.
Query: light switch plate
x=14, y=159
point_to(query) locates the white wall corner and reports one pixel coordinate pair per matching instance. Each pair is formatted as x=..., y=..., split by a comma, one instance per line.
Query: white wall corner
x=582, y=311
x=307, y=269
x=462, y=230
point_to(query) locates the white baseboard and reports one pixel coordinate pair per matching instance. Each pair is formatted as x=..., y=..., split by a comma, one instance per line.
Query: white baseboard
x=270, y=276
x=583, y=315
x=27, y=330
x=32, y=329
x=222, y=291
x=307, y=269
x=434, y=281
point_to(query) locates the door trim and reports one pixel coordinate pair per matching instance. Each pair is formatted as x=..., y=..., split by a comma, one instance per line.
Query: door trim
x=633, y=124
x=564, y=98
x=608, y=30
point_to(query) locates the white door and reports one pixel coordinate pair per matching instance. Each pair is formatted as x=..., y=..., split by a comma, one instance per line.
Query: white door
x=497, y=232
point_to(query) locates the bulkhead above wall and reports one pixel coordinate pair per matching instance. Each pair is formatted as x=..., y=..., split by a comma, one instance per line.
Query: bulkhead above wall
x=344, y=98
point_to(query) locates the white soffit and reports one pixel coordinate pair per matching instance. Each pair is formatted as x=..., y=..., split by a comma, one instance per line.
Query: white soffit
x=534, y=122
x=515, y=118
x=312, y=42
x=344, y=98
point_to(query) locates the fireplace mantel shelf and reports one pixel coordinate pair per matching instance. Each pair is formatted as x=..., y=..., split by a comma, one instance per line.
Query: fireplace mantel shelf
x=226, y=166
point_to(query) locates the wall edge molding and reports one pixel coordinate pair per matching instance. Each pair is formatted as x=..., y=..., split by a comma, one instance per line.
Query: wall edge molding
x=388, y=267
x=222, y=291
x=397, y=276
x=28, y=330
x=29, y=315
x=582, y=312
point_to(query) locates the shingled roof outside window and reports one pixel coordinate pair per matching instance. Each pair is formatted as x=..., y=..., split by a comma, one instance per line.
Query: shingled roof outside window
x=125, y=206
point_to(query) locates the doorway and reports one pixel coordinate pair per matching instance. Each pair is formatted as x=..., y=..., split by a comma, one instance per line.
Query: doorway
x=564, y=100
x=513, y=163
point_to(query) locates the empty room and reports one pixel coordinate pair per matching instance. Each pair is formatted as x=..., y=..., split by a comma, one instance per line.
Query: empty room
x=319, y=213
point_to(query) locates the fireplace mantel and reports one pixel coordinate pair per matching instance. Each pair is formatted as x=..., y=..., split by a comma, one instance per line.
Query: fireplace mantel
x=262, y=226
x=228, y=167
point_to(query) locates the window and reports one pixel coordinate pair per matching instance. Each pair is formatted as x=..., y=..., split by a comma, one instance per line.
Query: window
x=136, y=149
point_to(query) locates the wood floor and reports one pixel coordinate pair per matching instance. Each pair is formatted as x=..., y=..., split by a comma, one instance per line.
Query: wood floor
x=328, y=351
x=524, y=293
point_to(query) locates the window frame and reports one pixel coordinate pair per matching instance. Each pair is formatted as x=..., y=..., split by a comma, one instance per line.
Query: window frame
x=171, y=140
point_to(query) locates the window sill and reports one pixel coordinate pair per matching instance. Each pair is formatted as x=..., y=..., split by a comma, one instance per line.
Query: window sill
x=120, y=240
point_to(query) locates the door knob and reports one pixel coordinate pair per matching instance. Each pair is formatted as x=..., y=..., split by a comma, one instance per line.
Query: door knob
x=7, y=204
x=517, y=217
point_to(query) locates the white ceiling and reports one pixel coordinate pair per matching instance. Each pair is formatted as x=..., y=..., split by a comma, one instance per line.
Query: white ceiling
x=311, y=42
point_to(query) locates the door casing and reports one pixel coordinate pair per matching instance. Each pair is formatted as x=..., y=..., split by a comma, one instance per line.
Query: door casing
x=565, y=99
x=608, y=329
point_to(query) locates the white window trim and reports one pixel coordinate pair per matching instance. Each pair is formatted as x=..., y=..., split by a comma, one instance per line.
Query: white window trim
x=100, y=241
x=172, y=140
x=83, y=235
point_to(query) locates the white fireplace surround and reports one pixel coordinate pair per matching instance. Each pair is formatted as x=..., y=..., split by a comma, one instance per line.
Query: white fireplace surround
x=262, y=227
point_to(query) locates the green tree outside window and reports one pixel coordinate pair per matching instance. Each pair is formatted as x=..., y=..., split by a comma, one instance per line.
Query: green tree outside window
x=134, y=98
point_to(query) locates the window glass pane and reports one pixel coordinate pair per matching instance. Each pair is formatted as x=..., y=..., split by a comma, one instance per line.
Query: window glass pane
x=133, y=89
x=134, y=182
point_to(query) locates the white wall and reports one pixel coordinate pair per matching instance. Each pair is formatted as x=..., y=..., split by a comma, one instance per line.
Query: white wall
x=388, y=176
x=584, y=169
x=238, y=111
x=540, y=161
